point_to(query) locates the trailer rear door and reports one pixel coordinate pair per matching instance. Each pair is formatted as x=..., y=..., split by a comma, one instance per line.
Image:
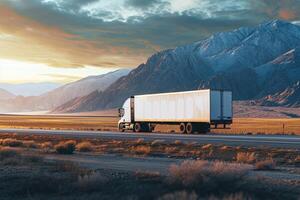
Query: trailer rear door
x=221, y=105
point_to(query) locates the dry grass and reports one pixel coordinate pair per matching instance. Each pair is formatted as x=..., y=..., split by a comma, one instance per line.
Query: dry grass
x=141, y=150
x=157, y=142
x=66, y=147
x=195, y=173
x=68, y=122
x=178, y=142
x=47, y=146
x=265, y=165
x=109, y=123
x=207, y=146
x=282, y=157
x=171, y=150
x=246, y=157
x=140, y=141
x=30, y=144
x=262, y=126
x=35, y=178
x=84, y=147
x=11, y=142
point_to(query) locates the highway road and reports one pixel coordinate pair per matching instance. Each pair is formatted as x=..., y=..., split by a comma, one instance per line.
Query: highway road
x=283, y=141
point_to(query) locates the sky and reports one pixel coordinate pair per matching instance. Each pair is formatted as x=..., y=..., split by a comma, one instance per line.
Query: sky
x=65, y=40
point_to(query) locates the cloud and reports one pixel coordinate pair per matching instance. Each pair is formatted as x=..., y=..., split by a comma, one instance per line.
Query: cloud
x=76, y=33
x=62, y=77
x=143, y=4
x=26, y=39
x=287, y=14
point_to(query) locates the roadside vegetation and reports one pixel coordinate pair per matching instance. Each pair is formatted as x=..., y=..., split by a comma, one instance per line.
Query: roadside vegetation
x=26, y=175
x=263, y=158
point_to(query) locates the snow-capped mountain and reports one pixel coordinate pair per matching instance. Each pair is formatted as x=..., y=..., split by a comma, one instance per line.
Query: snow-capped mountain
x=253, y=62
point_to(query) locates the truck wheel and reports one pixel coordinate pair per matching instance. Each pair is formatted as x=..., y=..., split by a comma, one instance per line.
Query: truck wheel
x=137, y=127
x=150, y=128
x=121, y=128
x=182, y=128
x=189, y=128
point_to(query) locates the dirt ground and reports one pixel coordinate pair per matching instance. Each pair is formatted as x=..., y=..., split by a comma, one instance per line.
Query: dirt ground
x=56, y=167
x=27, y=173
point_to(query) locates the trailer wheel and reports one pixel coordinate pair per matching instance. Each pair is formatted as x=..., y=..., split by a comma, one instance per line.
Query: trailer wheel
x=137, y=127
x=150, y=127
x=182, y=128
x=189, y=128
x=145, y=127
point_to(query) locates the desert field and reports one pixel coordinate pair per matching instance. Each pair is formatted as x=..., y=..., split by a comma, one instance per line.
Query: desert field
x=108, y=122
x=53, y=167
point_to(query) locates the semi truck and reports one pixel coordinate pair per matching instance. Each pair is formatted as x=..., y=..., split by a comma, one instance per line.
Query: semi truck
x=193, y=111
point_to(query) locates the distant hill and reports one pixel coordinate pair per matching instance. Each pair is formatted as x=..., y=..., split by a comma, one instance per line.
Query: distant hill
x=81, y=88
x=29, y=89
x=4, y=95
x=288, y=97
x=253, y=62
x=63, y=94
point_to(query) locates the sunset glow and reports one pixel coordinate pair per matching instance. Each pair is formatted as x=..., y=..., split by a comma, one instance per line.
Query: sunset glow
x=21, y=72
x=62, y=41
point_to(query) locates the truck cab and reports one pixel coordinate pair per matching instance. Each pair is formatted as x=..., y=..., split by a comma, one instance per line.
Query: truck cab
x=125, y=115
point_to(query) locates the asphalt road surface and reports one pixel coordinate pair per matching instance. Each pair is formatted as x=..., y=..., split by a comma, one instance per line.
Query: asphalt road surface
x=283, y=141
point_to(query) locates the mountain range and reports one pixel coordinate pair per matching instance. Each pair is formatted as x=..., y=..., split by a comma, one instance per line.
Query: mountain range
x=29, y=89
x=61, y=95
x=5, y=95
x=253, y=62
x=289, y=97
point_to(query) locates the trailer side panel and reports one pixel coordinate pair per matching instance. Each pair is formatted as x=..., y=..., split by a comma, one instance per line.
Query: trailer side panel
x=192, y=106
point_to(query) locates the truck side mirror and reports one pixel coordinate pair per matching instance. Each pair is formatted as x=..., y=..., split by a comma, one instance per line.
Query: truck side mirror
x=121, y=112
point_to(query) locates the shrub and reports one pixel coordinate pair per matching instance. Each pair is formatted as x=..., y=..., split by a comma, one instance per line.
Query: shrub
x=246, y=157
x=30, y=144
x=197, y=173
x=207, y=146
x=67, y=147
x=171, y=150
x=140, y=141
x=144, y=150
x=225, y=148
x=46, y=146
x=177, y=142
x=265, y=165
x=12, y=142
x=157, y=142
x=84, y=147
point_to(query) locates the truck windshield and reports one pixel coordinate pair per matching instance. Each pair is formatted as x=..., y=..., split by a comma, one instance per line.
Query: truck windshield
x=121, y=112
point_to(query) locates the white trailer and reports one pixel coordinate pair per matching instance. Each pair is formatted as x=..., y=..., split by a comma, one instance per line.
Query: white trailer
x=194, y=111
